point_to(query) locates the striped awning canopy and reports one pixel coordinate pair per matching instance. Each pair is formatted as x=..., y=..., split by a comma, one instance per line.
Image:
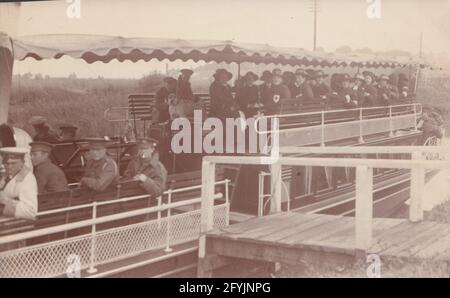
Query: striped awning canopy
x=92, y=48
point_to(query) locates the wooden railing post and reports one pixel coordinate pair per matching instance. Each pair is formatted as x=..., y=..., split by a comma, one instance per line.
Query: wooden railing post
x=416, y=190
x=275, y=187
x=363, y=210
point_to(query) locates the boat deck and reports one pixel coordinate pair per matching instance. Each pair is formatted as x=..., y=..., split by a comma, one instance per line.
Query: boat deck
x=291, y=237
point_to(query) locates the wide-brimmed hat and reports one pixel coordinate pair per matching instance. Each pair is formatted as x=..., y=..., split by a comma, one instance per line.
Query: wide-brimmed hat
x=266, y=75
x=221, y=71
x=319, y=74
x=146, y=142
x=383, y=77
x=37, y=120
x=251, y=74
x=368, y=73
x=276, y=71
x=358, y=76
x=187, y=71
x=301, y=72
x=170, y=80
x=13, y=152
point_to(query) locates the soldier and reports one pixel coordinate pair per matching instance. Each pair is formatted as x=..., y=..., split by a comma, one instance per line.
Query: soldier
x=101, y=171
x=68, y=132
x=247, y=95
x=43, y=131
x=223, y=104
x=18, y=194
x=49, y=177
x=321, y=89
x=147, y=169
x=161, y=109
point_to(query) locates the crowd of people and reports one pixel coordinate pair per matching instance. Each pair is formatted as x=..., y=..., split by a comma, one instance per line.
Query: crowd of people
x=20, y=184
x=248, y=98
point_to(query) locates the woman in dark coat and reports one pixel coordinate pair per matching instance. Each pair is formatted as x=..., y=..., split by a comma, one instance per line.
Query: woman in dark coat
x=223, y=104
x=247, y=95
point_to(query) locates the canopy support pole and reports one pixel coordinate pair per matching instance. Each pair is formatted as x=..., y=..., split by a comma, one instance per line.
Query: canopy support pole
x=6, y=67
x=239, y=70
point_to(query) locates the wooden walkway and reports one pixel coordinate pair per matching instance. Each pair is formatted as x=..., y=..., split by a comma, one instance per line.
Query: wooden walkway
x=295, y=238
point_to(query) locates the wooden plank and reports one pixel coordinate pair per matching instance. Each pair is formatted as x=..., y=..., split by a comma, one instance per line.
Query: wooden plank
x=268, y=226
x=433, y=235
x=328, y=223
x=295, y=230
x=436, y=249
x=397, y=240
x=294, y=226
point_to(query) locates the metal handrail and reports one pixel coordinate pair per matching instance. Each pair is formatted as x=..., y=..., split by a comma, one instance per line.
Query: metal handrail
x=324, y=113
x=126, y=199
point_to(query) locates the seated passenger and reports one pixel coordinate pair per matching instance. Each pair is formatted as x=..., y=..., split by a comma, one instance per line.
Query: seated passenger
x=386, y=94
x=247, y=95
x=147, y=169
x=266, y=89
x=288, y=78
x=280, y=92
x=101, y=171
x=68, y=132
x=301, y=89
x=357, y=89
x=223, y=104
x=43, y=131
x=342, y=95
x=161, y=110
x=370, y=91
x=183, y=89
x=49, y=177
x=18, y=190
x=320, y=89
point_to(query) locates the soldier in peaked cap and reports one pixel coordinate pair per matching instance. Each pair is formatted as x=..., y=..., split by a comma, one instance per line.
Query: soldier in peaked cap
x=49, y=177
x=101, y=170
x=43, y=131
x=68, y=132
x=370, y=92
x=183, y=89
x=160, y=112
x=386, y=93
x=18, y=192
x=147, y=169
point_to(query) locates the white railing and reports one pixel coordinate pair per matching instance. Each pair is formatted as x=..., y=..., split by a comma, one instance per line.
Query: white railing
x=361, y=126
x=364, y=180
x=99, y=247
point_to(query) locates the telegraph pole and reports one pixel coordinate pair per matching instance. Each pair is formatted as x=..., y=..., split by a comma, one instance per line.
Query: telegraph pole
x=314, y=9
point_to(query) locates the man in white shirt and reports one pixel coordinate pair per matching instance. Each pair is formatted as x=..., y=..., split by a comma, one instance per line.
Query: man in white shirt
x=18, y=188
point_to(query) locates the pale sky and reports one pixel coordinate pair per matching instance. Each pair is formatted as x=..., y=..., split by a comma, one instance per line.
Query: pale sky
x=279, y=23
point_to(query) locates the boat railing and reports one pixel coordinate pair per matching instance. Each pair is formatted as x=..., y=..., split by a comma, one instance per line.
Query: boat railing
x=310, y=128
x=168, y=229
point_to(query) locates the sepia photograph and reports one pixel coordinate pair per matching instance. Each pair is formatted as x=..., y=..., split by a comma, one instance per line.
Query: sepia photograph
x=257, y=140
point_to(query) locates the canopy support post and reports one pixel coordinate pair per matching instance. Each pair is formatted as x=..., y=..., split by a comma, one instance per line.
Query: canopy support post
x=6, y=67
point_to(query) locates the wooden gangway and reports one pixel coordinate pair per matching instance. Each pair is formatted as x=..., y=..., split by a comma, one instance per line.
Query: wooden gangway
x=295, y=238
x=291, y=237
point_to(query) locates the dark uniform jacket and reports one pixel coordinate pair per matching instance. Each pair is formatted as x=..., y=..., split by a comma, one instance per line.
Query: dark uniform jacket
x=153, y=169
x=370, y=95
x=184, y=90
x=100, y=174
x=161, y=110
x=246, y=98
x=222, y=101
x=266, y=93
x=280, y=92
x=387, y=95
x=304, y=91
x=47, y=136
x=50, y=178
x=321, y=90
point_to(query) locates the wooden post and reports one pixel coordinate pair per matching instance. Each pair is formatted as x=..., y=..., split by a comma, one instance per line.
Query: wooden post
x=207, y=211
x=6, y=68
x=364, y=208
x=275, y=187
x=416, y=190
